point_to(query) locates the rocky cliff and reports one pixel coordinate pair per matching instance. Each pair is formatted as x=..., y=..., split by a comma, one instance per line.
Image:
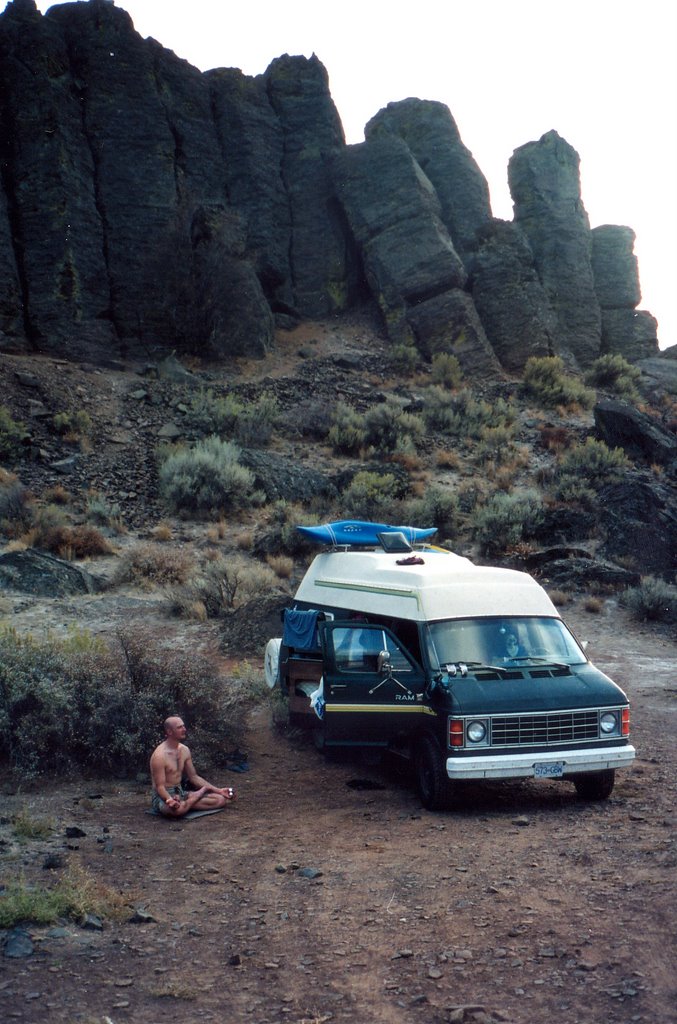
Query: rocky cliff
x=144, y=204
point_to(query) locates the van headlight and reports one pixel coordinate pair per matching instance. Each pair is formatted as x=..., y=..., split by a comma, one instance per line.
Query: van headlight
x=608, y=722
x=476, y=731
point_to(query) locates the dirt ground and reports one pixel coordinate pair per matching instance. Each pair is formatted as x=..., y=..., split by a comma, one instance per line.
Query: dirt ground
x=326, y=893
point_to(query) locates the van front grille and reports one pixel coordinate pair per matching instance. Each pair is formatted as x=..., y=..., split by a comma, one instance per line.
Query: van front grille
x=545, y=729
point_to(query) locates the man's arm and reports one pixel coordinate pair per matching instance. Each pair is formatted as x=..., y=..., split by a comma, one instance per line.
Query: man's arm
x=197, y=780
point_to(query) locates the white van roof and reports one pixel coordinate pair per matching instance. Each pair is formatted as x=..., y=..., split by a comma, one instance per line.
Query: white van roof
x=444, y=586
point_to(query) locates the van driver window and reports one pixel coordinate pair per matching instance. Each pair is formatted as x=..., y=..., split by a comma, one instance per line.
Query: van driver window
x=356, y=649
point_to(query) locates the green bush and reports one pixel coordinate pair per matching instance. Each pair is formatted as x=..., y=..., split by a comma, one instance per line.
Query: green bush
x=78, y=703
x=546, y=382
x=653, y=600
x=348, y=432
x=616, y=374
x=12, y=435
x=206, y=478
x=462, y=415
x=73, y=424
x=593, y=462
x=507, y=519
x=371, y=496
x=446, y=371
x=15, y=508
x=437, y=507
x=405, y=359
x=227, y=416
x=388, y=428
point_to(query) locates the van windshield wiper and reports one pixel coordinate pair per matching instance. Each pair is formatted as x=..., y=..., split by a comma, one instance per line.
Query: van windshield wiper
x=460, y=668
x=540, y=660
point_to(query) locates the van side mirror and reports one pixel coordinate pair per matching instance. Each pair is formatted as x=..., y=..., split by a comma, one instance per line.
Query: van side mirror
x=383, y=664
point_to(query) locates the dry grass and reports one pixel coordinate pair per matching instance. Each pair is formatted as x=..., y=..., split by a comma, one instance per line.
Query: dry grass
x=282, y=565
x=147, y=564
x=446, y=459
x=559, y=597
x=162, y=533
x=594, y=605
x=58, y=495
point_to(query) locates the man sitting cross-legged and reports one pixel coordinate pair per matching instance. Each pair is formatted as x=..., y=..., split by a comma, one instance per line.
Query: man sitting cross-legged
x=169, y=764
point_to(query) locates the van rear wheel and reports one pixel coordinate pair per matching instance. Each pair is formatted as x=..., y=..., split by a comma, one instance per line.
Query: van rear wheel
x=595, y=785
x=434, y=788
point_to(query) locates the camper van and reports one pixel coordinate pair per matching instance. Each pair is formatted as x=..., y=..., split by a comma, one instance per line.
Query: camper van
x=391, y=643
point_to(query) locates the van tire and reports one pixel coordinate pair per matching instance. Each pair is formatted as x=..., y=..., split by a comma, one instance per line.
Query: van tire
x=434, y=788
x=595, y=785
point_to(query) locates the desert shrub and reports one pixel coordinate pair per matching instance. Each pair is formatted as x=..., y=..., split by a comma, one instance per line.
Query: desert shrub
x=281, y=535
x=496, y=444
x=154, y=563
x=282, y=565
x=257, y=422
x=507, y=519
x=206, y=477
x=12, y=435
x=227, y=582
x=616, y=374
x=101, y=512
x=653, y=600
x=73, y=424
x=58, y=495
x=80, y=541
x=404, y=359
x=162, y=533
x=388, y=428
x=76, y=893
x=68, y=706
x=436, y=507
x=251, y=423
x=371, y=496
x=462, y=415
x=15, y=507
x=446, y=371
x=592, y=462
x=348, y=433
x=546, y=382
x=594, y=605
x=312, y=418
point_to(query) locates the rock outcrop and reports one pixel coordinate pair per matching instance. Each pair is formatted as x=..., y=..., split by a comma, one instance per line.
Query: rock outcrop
x=146, y=205
x=625, y=330
x=545, y=186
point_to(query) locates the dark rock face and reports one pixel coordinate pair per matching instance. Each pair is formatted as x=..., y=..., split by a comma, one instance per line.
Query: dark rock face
x=325, y=278
x=280, y=478
x=410, y=263
x=623, y=426
x=626, y=331
x=583, y=572
x=37, y=572
x=145, y=205
x=640, y=520
x=545, y=187
x=509, y=297
x=433, y=139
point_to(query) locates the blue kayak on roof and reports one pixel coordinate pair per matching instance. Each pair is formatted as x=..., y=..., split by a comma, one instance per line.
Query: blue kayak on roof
x=353, y=531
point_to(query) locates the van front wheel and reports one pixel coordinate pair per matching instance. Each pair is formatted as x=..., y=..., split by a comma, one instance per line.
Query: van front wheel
x=595, y=785
x=434, y=787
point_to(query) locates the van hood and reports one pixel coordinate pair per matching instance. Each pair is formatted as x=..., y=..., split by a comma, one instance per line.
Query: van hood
x=536, y=688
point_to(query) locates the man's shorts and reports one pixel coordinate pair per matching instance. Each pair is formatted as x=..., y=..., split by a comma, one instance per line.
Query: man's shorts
x=157, y=803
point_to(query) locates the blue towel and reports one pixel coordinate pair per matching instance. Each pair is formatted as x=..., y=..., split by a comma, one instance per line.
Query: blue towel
x=300, y=629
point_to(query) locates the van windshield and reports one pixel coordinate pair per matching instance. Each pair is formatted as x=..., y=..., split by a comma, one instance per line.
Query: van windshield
x=502, y=641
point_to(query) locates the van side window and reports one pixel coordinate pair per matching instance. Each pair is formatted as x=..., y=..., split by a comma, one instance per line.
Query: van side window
x=356, y=649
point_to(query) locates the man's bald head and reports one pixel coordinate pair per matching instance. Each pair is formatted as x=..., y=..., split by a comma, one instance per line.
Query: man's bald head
x=173, y=724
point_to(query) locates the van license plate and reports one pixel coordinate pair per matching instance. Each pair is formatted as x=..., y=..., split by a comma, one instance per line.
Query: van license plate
x=549, y=770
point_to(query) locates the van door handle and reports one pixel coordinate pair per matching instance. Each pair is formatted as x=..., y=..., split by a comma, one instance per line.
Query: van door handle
x=339, y=686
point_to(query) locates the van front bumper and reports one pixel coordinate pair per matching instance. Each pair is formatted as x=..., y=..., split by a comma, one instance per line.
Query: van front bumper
x=517, y=766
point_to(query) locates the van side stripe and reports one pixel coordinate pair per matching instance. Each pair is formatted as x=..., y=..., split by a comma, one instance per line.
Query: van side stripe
x=390, y=591
x=418, y=709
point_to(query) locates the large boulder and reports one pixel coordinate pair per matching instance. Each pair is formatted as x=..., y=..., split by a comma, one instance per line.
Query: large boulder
x=410, y=263
x=286, y=479
x=630, y=333
x=37, y=572
x=430, y=132
x=621, y=425
x=324, y=269
x=509, y=297
x=639, y=515
x=545, y=186
x=252, y=143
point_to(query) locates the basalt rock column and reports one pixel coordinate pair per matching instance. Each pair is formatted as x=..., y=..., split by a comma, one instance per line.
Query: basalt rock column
x=625, y=329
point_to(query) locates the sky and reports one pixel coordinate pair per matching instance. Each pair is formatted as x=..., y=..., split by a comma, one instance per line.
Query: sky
x=602, y=73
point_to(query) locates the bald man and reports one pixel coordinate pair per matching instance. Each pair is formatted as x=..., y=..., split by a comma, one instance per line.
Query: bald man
x=170, y=763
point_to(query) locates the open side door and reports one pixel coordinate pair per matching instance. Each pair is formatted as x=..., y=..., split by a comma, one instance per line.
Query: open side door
x=373, y=687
